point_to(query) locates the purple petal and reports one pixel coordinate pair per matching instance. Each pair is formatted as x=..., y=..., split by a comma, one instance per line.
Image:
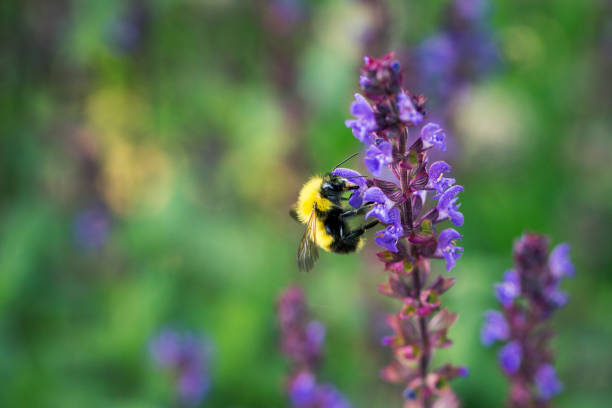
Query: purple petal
x=557, y=297
x=510, y=357
x=302, y=390
x=509, y=289
x=166, y=348
x=447, y=236
x=447, y=248
x=355, y=200
x=456, y=218
x=373, y=165
x=560, y=262
x=433, y=135
x=407, y=111
x=380, y=212
x=448, y=196
x=361, y=107
x=375, y=194
x=351, y=175
x=437, y=170
x=495, y=328
x=547, y=382
x=388, y=237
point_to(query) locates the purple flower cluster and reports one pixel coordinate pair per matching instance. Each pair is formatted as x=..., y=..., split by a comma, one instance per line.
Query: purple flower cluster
x=302, y=341
x=397, y=141
x=186, y=356
x=92, y=227
x=461, y=52
x=529, y=294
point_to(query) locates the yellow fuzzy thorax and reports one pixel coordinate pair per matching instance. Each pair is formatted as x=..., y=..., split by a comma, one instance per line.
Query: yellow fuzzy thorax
x=310, y=194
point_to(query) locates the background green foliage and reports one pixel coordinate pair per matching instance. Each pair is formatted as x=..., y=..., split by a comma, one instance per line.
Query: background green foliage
x=197, y=142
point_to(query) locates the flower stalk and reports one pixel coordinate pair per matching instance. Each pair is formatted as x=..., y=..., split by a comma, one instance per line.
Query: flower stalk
x=402, y=178
x=529, y=295
x=302, y=343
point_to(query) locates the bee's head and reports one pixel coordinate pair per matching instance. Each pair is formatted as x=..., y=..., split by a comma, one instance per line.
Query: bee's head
x=333, y=186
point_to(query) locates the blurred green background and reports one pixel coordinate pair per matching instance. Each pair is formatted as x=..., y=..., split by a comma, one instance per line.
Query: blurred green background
x=149, y=151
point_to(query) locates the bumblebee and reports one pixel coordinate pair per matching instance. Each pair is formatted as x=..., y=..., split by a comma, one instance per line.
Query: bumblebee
x=320, y=207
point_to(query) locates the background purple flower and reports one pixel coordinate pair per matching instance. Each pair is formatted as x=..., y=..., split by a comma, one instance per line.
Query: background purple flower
x=529, y=294
x=547, y=382
x=509, y=289
x=560, y=263
x=510, y=357
x=495, y=328
x=91, y=228
x=302, y=341
x=187, y=357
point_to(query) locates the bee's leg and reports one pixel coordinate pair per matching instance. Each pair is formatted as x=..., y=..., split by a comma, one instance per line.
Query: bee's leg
x=359, y=231
x=359, y=211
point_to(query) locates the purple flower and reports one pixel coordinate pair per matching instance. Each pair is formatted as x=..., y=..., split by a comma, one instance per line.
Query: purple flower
x=510, y=357
x=365, y=122
x=354, y=177
x=409, y=394
x=305, y=393
x=407, y=111
x=436, y=56
x=447, y=249
x=166, y=348
x=185, y=355
x=437, y=181
x=447, y=207
x=378, y=156
x=555, y=296
x=471, y=9
x=302, y=390
x=547, y=382
x=364, y=81
x=388, y=237
x=192, y=385
x=510, y=288
x=385, y=209
x=560, y=263
x=329, y=397
x=433, y=135
x=495, y=328
x=315, y=335
x=91, y=228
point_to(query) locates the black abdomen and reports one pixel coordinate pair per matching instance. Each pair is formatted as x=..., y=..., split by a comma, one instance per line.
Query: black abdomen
x=339, y=230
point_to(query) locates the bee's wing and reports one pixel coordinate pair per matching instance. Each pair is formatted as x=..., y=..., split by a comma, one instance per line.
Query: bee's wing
x=308, y=252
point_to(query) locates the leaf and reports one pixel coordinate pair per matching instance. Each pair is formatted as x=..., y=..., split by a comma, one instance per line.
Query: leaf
x=426, y=228
x=442, y=284
x=447, y=400
x=419, y=181
x=441, y=321
x=390, y=189
x=413, y=158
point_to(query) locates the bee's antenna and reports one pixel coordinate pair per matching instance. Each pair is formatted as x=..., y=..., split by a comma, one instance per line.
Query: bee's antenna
x=344, y=161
